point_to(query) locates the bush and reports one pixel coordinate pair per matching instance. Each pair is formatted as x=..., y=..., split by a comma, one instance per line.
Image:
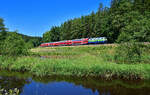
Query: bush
x=131, y=52
x=14, y=45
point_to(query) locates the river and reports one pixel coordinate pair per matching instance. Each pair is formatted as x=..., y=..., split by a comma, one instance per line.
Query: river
x=61, y=85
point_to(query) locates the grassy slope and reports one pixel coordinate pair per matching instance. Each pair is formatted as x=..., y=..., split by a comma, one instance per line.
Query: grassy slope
x=94, y=61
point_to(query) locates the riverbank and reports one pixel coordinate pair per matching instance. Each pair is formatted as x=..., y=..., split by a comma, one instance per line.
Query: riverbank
x=28, y=84
x=96, y=61
x=94, y=82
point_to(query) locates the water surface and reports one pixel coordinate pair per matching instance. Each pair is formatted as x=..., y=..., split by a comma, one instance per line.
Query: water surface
x=60, y=85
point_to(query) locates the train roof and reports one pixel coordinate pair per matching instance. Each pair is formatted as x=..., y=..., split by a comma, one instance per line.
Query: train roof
x=77, y=40
x=99, y=38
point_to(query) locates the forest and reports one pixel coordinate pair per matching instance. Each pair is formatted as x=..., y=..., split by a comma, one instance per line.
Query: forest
x=123, y=21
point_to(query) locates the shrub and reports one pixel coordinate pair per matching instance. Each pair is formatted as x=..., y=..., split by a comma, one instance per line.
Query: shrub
x=131, y=52
x=14, y=45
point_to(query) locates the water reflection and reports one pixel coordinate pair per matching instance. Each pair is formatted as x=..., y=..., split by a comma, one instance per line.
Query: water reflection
x=8, y=83
x=59, y=85
x=102, y=87
x=56, y=88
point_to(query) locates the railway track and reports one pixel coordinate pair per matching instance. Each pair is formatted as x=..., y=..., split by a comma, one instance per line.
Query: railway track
x=91, y=45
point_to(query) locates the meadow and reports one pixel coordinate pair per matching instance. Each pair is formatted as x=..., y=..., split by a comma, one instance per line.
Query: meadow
x=82, y=61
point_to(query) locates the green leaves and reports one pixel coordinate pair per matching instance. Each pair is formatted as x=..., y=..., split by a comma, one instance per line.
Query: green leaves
x=14, y=45
x=137, y=29
x=125, y=20
x=131, y=52
x=2, y=26
x=52, y=35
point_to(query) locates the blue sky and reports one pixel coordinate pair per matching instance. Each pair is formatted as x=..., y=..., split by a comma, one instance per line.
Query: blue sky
x=34, y=17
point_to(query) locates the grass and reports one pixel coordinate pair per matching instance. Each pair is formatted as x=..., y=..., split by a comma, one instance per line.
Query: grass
x=95, y=61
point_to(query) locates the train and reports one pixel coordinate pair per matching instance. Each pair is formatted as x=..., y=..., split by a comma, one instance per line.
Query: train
x=83, y=41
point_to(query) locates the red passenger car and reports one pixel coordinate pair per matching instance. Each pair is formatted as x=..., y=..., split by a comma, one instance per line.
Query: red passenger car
x=80, y=41
x=85, y=41
x=62, y=43
x=66, y=43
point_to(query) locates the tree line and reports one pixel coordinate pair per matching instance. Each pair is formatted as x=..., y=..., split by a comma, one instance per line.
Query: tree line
x=123, y=21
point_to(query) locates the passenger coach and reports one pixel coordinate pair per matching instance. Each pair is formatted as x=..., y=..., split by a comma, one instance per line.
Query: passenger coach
x=84, y=41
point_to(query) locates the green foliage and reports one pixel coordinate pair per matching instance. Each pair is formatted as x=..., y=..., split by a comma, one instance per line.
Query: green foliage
x=8, y=39
x=3, y=33
x=137, y=28
x=94, y=61
x=14, y=45
x=52, y=35
x=132, y=53
x=9, y=92
x=31, y=41
x=125, y=20
x=29, y=44
x=78, y=61
x=2, y=26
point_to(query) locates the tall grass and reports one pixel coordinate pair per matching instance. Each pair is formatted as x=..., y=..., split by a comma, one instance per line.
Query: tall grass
x=93, y=68
x=77, y=61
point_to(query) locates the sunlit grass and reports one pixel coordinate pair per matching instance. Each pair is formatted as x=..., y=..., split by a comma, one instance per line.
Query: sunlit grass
x=76, y=61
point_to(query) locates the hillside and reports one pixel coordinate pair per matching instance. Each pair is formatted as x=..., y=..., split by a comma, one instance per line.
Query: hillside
x=123, y=21
x=32, y=41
